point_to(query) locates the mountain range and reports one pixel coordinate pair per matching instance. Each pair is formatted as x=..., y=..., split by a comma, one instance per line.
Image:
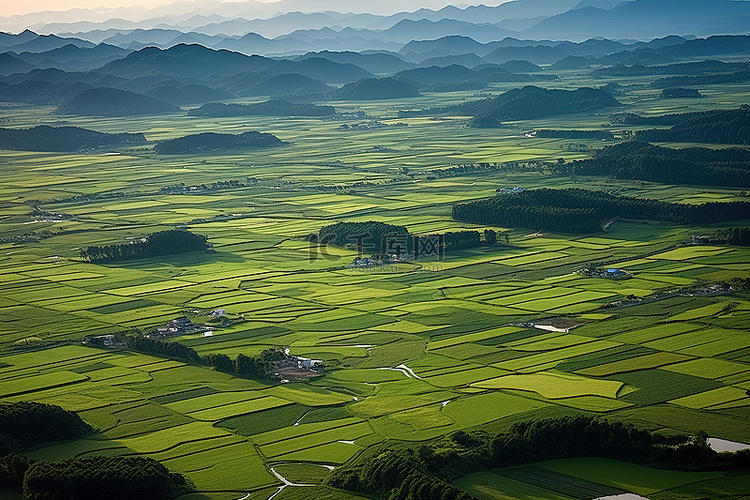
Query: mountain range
x=231, y=27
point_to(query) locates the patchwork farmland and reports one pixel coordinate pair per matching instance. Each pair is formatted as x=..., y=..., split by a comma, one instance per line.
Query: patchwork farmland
x=413, y=351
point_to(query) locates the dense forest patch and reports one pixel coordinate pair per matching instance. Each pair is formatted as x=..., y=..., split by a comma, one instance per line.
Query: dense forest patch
x=646, y=162
x=211, y=141
x=583, y=211
x=153, y=245
x=272, y=107
x=46, y=138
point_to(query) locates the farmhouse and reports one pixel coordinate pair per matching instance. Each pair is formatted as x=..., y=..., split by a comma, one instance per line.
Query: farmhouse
x=176, y=327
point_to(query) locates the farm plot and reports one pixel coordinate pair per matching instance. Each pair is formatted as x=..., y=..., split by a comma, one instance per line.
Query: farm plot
x=554, y=385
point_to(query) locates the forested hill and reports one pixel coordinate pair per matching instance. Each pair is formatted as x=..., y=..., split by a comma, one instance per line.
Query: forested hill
x=583, y=211
x=26, y=424
x=103, y=101
x=154, y=245
x=375, y=88
x=272, y=107
x=46, y=138
x=532, y=102
x=646, y=162
x=716, y=126
x=211, y=141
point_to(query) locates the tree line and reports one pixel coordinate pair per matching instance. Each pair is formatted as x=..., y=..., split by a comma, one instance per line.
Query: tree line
x=261, y=367
x=573, y=134
x=646, y=162
x=154, y=245
x=424, y=473
x=114, y=478
x=582, y=211
x=27, y=424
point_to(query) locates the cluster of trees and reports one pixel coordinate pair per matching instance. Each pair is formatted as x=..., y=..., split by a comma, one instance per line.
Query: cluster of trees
x=582, y=211
x=462, y=239
x=375, y=237
x=646, y=162
x=26, y=424
x=214, y=186
x=395, y=475
x=370, y=236
x=424, y=472
x=46, y=138
x=573, y=134
x=212, y=141
x=261, y=367
x=156, y=244
x=739, y=236
x=272, y=107
x=730, y=126
x=114, y=478
x=680, y=92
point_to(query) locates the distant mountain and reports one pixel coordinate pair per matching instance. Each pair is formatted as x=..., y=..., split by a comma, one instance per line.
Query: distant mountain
x=272, y=107
x=286, y=84
x=376, y=63
x=10, y=64
x=645, y=19
x=46, y=138
x=321, y=69
x=185, y=60
x=210, y=141
x=178, y=94
x=71, y=57
x=571, y=62
x=422, y=77
x=199, y=62
x=104, y=101
x=374, y=88
x=468, y=60
x=520, y=66
x=447, y=45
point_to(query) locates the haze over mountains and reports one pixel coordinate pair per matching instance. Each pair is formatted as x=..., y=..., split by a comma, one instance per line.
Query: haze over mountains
x=230, y=26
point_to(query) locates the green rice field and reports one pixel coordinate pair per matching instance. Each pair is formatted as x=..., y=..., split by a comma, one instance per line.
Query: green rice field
x=413, y=351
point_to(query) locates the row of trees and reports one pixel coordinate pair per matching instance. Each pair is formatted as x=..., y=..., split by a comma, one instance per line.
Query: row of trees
x=114, y=478
x=155, y=245
x=582, y=211
x=646, y=162
x=425, y=472
x=573, y=134
x=26, y=424
x=261, y=367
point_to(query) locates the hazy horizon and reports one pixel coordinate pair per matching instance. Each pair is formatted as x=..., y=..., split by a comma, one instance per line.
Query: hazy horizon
x=160, y=7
